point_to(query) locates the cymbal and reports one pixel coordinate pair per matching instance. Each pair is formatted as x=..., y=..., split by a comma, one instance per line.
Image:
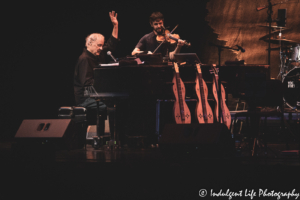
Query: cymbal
x=275, y=27
x=274, y=33
x=296, y=64
x=283, y=41
x=278, y=48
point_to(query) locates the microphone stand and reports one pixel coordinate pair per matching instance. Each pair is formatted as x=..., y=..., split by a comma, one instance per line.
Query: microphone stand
x=269, y=12
x=218, y=83
x=220, y=48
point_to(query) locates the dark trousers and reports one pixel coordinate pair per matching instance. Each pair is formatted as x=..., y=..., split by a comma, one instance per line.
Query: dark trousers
x=91, y=106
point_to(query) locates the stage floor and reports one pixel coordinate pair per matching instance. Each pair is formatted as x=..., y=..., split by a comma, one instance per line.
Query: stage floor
x=145, y=173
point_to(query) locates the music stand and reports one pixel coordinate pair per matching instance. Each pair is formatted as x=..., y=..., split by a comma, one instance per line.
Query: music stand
x=189, y=58
x=151, y=59
x=262, y=92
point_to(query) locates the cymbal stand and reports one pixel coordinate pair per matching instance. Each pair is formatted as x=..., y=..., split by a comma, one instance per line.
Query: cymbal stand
x=269, y=20
x=282, y=57
x=270, y=12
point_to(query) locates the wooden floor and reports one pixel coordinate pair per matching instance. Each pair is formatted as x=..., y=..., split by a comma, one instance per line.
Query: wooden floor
x=142, y=173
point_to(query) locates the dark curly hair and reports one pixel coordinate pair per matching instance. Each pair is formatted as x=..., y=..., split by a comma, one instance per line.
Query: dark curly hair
x=156, y=16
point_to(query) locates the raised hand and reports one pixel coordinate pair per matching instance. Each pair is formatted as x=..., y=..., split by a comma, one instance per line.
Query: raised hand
x=113, y=18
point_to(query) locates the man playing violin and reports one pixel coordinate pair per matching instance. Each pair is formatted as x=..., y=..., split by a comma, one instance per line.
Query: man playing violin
x=149, y=42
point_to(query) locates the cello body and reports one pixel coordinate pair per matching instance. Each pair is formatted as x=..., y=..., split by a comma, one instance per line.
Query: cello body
x=181, y=111
x=225, y=113
x=203, y=112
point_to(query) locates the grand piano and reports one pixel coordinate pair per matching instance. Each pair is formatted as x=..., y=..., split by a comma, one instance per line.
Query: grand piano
x=155, y=81
x=147, y=83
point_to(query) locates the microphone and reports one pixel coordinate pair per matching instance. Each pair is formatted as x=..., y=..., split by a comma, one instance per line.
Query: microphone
x=240, y=48
x=109, y=53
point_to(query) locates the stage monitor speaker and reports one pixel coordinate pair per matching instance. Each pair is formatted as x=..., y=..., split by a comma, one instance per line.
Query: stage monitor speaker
x=197, y=140
x=62, y=132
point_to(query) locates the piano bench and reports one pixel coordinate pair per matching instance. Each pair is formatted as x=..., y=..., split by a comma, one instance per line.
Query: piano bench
x=65, y=112
x=79, y=113
x=76, y=113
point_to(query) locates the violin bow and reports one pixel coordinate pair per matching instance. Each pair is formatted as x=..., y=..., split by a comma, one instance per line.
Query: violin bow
x=165, y=40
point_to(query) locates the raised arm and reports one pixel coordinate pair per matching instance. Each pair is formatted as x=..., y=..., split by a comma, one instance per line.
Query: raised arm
x=113, y=18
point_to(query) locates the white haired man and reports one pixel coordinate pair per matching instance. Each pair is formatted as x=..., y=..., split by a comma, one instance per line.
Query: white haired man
x=92, y=55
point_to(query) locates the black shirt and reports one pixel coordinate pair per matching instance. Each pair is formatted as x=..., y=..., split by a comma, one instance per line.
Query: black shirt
x=149, y=43
x=84, y=74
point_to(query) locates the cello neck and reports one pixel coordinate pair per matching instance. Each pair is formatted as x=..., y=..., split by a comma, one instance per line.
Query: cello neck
x=216, y=76
x=202, y=95
x=198, y=68
x=180, y=95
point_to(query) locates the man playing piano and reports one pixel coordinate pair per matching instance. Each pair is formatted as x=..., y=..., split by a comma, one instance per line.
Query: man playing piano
x=148, y=43
x=92, y=55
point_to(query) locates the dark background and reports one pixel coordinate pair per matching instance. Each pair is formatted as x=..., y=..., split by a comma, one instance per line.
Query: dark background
x=40, y=45
x=42, y=41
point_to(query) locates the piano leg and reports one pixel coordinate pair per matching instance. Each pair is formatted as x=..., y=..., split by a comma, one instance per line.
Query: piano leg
x=100, y=126
x=112, y=127
x=157, y=118
x=114, y=139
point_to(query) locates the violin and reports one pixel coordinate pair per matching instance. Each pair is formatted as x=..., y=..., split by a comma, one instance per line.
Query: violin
x=174, y=38
x=203, y=112
x=167, y=36
x=171, y=38
x=181, y=111
x=223, y=116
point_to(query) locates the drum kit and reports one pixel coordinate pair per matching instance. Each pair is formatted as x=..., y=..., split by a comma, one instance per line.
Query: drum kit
x=289, y=73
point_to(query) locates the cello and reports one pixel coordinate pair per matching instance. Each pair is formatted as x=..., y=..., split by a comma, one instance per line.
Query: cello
x=203, y=112
x=181, y=111
x=223, y=115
